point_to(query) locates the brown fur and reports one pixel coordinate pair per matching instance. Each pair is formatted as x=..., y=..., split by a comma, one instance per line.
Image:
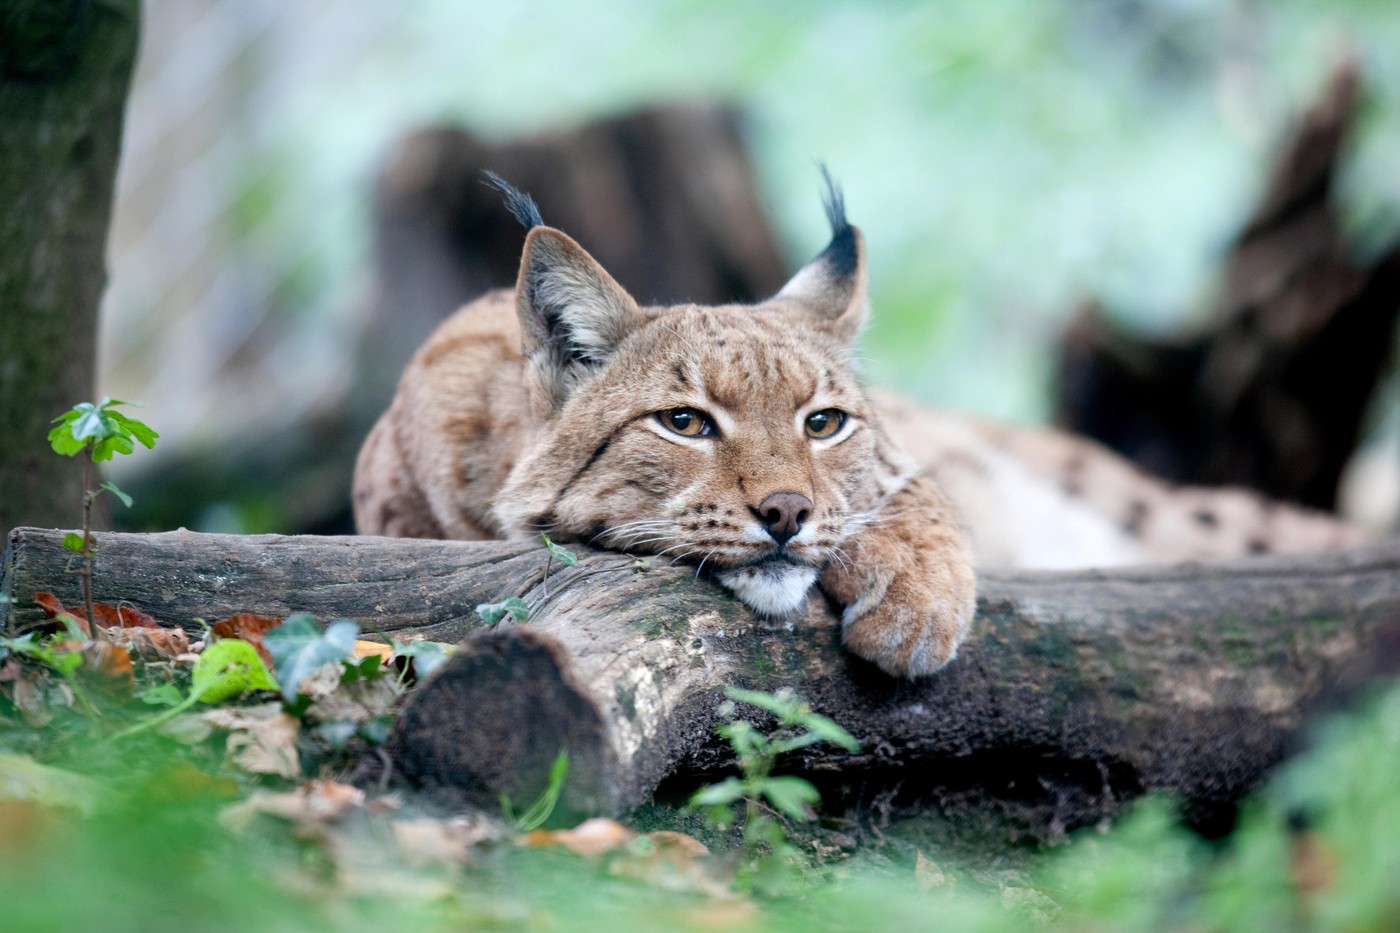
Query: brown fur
x=538, y=410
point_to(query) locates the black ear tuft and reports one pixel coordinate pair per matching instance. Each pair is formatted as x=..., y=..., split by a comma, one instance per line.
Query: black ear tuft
x=518, y=202
x=841, y=253
x=834, y=202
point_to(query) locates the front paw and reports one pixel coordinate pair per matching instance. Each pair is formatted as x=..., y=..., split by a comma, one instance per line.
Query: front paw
x=909, y=600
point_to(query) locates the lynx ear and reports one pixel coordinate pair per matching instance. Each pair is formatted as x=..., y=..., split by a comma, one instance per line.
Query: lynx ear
x=572, y=315
x=833, y=286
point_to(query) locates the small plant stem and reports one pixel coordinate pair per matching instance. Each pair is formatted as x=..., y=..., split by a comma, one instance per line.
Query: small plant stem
x=88, y=543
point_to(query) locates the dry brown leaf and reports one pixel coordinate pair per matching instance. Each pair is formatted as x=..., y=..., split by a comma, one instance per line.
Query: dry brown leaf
x=55, y=609
x=122, y=616
x=673, y=861
x=315, y=801
x=590, y=838
x=927, y=873
x=158, y=642
x=262, y=739
x=108, y=666
x=427, y=841
x=365, y=649
x=248, y=627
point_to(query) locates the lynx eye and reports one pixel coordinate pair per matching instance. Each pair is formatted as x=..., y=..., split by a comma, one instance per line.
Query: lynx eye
x=825, y=422
x=687, y=422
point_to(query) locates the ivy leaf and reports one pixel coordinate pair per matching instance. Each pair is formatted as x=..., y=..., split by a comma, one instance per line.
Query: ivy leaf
x=298, y=647
x=562, y=554
x=790, y=795
x=112, y=488
x=725, y=792
x=427, y=656
x=227, y=668
x=73, y=541
x=491, y=613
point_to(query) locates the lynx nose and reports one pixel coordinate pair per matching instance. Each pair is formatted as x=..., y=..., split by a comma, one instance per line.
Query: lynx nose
x=783, y=513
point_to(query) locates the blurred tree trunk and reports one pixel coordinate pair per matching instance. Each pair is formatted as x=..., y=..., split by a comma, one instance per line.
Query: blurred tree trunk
x=65, y=66
x=665, y=199
x=1271, y=393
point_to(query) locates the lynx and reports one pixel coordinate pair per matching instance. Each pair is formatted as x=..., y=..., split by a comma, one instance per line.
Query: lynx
x=739, y=439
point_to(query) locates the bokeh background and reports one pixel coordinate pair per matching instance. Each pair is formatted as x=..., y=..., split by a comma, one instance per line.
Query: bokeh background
x=1007, y=161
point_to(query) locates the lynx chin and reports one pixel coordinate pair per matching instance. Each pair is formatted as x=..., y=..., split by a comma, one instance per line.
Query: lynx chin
x=738, y=439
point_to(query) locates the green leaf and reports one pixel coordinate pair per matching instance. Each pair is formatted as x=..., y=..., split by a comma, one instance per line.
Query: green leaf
x=491, y=613
x=162, y=695
x=112, y=488
x=298, y=647
x=73, y=541
x=538, y=813
x=565, y=556
x=63, y=442
x=90, y=422
x=366, y=668
x=133, y=428
x=830, y=731
x=783, y=705
x=227, y=668
x=725, y=792
x=790, y=795
x=427, y=656
x=107, y=447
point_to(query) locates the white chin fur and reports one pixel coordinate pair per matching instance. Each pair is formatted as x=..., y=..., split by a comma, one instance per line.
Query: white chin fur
x=770, y=589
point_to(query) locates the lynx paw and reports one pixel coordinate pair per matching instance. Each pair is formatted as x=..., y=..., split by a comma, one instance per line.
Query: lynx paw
x=909, y=600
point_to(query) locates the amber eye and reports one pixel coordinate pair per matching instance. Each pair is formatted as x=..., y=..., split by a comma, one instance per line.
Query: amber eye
x=687, y=422
x=825, y=422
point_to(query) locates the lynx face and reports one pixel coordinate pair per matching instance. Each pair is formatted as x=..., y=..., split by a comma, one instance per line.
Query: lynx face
x=733, y=438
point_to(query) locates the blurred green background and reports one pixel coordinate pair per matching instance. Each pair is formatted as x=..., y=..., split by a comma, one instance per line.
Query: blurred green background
x=1007, y=159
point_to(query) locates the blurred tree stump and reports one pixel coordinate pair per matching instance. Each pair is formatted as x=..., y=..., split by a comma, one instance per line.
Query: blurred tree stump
x=665, y=198
x=1075, y=693
x=64, y=72
x=1271, y=393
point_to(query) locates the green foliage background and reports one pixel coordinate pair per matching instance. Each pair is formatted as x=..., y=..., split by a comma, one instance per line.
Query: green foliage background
x=1005, y=159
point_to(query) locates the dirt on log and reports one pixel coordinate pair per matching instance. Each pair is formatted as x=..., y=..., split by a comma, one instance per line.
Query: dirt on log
x=1076, y=692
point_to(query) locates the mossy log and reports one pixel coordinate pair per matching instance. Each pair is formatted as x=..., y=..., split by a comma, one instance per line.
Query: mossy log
x=1076, y=691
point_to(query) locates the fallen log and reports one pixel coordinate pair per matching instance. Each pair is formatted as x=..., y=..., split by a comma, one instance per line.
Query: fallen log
x=1076, y=692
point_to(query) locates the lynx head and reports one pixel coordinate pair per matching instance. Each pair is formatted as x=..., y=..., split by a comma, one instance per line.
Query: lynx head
x=735, y=437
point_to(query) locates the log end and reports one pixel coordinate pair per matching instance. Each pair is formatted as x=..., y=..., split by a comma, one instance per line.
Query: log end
x=472, y=727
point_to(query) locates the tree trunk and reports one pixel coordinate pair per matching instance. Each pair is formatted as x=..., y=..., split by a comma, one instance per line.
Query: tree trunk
x=1272, y=392
x=1076, y=692
x=65, y=66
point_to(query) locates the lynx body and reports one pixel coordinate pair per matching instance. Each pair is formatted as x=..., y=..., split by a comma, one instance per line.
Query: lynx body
x=738, y=439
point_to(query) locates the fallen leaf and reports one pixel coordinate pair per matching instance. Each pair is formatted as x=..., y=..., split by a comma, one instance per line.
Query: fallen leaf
x=426, y=841
x=927, y=873
x=55, y=609
x=155, y=642
x=108, y=665
x=262, y=739
x=316, y=801
x=248, y=627
x=590, y=838
x=672, y=861
x=365, y=649
x=122, y=616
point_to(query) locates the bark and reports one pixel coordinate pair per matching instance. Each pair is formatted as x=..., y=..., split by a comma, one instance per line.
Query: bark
x=1272, y=392
x=1076, y=692
x=65, y=66
x=665, y=198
